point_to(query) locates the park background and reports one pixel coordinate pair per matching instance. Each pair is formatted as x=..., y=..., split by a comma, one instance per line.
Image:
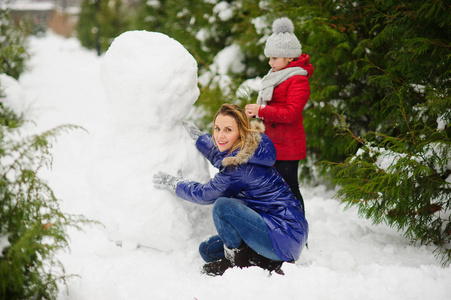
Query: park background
x=378, y=117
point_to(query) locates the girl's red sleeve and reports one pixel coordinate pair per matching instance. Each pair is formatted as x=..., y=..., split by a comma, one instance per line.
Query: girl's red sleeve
x=297, y=95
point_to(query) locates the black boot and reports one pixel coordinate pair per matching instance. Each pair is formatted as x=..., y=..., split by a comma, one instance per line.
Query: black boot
x=233, y=257
x=265, y=263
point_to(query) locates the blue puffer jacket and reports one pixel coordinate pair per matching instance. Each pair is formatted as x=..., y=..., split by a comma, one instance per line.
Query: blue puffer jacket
x=248, y=175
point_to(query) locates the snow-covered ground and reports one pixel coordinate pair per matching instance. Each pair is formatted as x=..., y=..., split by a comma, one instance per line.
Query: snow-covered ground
x=347, y=258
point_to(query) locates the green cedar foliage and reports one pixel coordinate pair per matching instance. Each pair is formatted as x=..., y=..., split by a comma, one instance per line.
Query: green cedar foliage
x=7, y=117
x=401, y=174
x=100, y=22
x=13, y=54
x=32, y=226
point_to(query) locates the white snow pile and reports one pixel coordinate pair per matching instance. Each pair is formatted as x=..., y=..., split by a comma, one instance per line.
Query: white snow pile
x=131, y=102
x=228, y=60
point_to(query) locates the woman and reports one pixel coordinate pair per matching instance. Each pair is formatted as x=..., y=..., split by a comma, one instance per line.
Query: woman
x=259, y=221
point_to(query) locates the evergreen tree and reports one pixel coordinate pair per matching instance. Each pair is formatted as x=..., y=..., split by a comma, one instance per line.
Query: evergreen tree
x=88, y=27
x=13, y=54
x=101, y=21
x=396, y=109
x=32, y=226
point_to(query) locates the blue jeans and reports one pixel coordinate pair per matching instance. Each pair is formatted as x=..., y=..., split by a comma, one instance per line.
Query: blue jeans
x=235, y=223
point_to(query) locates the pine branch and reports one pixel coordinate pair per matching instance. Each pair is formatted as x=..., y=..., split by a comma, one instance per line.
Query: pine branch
x=31, y=218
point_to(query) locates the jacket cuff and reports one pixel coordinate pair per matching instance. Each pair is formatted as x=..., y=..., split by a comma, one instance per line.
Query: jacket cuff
x=260, y=109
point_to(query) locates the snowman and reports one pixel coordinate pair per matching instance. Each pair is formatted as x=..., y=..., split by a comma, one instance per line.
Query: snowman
x=150, y=81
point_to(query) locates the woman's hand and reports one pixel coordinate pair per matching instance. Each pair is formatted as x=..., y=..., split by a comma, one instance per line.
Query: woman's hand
x=252, y=110
x=192, y=129
x=162, y=180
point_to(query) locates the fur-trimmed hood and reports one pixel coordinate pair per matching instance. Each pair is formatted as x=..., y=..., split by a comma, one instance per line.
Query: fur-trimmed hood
x=258, y=149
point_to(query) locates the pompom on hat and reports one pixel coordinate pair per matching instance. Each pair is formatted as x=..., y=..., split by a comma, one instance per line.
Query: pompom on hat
x=283, y=42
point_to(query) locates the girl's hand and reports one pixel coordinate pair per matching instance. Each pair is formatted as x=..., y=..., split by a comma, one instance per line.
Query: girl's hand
x=252, y=110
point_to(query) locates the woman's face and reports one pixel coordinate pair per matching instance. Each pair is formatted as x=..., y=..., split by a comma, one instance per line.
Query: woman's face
x=226, y=132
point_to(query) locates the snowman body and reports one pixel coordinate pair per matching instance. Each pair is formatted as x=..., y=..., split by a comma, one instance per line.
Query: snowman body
x=151, y=83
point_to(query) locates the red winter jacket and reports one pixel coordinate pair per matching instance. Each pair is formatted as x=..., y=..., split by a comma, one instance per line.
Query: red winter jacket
x=283, y=117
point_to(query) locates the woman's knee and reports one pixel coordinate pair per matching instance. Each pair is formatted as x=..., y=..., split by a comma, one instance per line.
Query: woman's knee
x=222, y=204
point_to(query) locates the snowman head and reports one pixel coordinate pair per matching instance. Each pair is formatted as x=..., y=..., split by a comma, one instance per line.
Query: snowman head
x=150, y=79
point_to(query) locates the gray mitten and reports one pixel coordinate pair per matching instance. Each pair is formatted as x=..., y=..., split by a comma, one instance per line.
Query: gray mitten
x=192, y=129
x=163, y=180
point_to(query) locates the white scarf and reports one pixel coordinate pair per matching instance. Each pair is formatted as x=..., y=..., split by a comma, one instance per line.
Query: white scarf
x=273, y=79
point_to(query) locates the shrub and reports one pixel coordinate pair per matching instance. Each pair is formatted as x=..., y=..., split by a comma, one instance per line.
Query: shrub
x=13, y=54
x=32, y=226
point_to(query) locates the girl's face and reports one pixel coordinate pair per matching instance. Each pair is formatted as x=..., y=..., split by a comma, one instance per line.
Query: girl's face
x=226, y=132
x=278, y=63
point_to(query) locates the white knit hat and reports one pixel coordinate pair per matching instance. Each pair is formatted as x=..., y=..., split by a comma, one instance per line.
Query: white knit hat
x=283, y=42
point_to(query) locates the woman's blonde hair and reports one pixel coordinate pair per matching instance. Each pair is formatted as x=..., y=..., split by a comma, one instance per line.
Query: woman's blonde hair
x=239, y=115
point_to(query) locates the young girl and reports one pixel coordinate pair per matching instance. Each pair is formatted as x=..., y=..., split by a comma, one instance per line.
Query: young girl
x=285, y=91
x=259, y=221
